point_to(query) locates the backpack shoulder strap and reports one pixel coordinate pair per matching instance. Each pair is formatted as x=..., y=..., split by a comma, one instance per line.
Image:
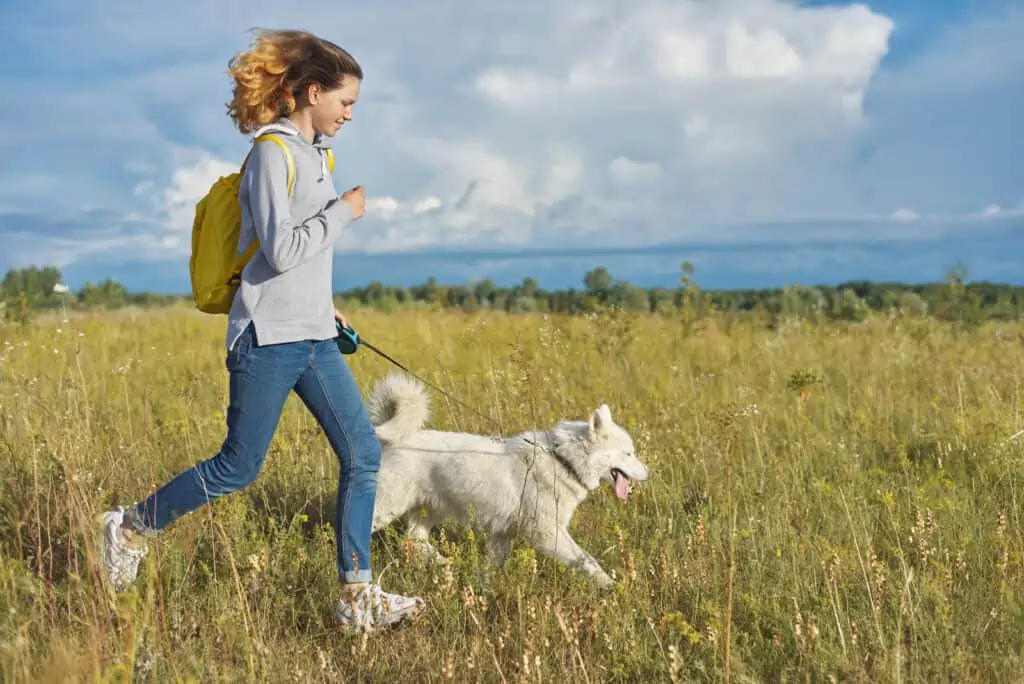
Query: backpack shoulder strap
x=287, y=155
x=250, y=251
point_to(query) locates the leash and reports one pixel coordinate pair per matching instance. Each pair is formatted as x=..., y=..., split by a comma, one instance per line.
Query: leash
x=349, y=342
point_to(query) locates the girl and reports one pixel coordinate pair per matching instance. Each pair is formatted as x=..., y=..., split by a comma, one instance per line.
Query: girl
x=281, y=327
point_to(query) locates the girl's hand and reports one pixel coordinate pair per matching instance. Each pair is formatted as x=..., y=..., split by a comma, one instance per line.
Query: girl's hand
x=341, y=318
x=356, y=199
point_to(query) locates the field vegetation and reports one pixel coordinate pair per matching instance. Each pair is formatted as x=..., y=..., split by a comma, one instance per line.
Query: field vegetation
x=830, y=500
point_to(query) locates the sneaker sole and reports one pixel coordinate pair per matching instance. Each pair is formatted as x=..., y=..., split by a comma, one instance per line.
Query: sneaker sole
x=398, y=620
x=101, y=524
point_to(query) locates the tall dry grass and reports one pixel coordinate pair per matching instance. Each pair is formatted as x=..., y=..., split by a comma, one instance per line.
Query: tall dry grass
x=826, y=502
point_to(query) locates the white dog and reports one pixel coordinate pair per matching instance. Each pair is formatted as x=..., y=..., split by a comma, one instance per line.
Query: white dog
x=530, y=483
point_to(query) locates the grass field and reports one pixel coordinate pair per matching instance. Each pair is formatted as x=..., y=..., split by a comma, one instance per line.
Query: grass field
x=827, y=503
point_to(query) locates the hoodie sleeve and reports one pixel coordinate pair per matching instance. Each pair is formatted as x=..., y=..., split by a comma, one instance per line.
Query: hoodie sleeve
x=285, y=240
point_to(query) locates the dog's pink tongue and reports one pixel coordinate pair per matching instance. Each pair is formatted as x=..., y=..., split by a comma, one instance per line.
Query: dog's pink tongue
x=621, y=486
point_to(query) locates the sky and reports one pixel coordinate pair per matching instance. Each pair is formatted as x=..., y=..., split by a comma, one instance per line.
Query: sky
x=766, y=141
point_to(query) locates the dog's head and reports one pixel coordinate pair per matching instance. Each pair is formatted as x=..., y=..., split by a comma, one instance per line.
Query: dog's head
x=611, y=455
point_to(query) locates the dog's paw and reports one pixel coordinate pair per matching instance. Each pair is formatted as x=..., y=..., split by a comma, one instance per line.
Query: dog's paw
x=426, y=552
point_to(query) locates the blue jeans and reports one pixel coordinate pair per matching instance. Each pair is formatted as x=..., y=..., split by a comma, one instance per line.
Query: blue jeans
x=260, y=380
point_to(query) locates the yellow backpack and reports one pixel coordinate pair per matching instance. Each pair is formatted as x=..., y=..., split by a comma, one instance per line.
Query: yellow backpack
x=215, y=267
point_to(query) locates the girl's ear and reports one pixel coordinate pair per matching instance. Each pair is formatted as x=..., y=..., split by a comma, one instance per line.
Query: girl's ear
x=312, y=93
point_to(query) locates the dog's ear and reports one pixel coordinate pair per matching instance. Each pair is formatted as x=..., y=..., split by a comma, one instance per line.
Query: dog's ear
x=600, y=419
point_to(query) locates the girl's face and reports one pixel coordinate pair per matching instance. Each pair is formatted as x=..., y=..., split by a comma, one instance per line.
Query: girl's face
x=330, y=109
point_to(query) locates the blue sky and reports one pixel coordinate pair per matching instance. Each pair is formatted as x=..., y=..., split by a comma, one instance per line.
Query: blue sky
x=767, y=141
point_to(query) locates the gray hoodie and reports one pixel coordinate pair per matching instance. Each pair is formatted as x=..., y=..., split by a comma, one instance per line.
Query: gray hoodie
x=286, y=288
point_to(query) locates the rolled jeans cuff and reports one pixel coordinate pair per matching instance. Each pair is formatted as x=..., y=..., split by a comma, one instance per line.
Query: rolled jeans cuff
x=356, y=577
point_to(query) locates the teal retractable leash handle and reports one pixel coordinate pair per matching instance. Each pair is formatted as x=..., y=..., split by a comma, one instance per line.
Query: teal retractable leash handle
x=348, y=338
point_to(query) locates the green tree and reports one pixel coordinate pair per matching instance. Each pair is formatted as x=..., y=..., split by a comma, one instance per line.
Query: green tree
x=375, y=291
x=483, y=291
x=529, y=288
x=847, y=306
x=800, y=301
x=598, y=282
x=34, y=283
x=957, y=302
x=912, y=304
x=108, y=293
x=694, y=304
x=26, y=290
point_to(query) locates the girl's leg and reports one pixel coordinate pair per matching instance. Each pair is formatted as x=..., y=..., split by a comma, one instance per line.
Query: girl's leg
x=330, y=392
x=260, y=381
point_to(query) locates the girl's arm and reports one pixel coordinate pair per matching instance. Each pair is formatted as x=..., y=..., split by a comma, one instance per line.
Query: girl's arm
x=285, y=240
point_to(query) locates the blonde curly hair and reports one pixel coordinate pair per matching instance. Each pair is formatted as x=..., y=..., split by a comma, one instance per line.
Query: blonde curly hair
x=275, y=72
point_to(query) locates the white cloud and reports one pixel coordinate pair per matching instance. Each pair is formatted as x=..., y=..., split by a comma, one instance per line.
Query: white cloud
x=516, y=88
x=680, y=56
x=904, y=214
x=549, y=122
x=188, y=185
x=766, y=54
x=707, y=95
x=426, y=204
x=998, y=212
x=385, y=207
x=549, y=126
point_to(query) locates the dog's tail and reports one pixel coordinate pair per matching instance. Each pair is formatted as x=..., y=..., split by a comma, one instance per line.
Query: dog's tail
x=398, y=406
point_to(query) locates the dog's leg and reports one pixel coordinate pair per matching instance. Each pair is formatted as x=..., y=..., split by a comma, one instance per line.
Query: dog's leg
x=419, y=533
x=389, y=507
x=564, y=548
x=382, y=519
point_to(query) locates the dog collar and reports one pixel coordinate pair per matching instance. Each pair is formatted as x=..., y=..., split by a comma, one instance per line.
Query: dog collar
x=564, y=462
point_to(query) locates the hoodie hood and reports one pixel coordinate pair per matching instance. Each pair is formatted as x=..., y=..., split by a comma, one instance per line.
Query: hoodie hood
x=284, y=125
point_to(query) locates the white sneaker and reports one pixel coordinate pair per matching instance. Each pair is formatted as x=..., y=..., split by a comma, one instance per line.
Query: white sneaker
x=120, y=556
x=373, y=609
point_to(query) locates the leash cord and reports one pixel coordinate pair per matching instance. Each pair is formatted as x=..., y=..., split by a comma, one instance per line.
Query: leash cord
x=554, y=452
x=430, y=385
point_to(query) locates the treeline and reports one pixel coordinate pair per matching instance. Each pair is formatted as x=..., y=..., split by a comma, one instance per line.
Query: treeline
x=29, y=290
x=952, y=298
x=25, y=292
